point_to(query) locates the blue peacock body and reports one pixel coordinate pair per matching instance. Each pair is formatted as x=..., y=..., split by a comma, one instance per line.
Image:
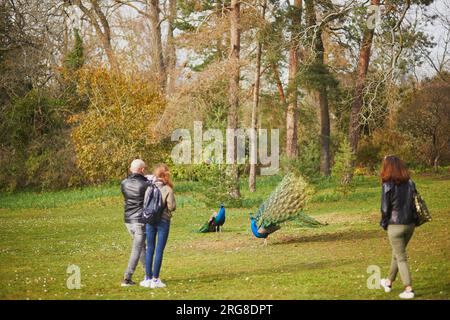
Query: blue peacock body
x=215, y=222
x=219, y=219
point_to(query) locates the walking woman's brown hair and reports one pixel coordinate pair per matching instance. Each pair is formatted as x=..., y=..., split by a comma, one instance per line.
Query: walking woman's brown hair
x=162, y=172
x=394, y=169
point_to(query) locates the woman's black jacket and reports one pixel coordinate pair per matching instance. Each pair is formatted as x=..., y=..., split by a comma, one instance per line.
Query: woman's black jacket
x=397, y=203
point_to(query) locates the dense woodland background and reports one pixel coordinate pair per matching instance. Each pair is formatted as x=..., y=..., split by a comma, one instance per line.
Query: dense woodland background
x=86, y=86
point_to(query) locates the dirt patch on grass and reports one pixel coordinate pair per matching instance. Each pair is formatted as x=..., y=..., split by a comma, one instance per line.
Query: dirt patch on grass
x=342, y=218
x=445, y=177
x=218, y=242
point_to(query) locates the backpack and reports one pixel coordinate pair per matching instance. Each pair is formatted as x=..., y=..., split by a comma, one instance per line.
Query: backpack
x=153, y=205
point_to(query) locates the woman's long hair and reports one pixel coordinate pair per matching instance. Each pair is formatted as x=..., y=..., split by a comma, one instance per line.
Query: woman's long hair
x=162, y=172
x=394, y=169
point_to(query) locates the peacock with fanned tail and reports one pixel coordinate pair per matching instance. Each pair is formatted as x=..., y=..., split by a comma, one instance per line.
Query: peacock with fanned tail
x=285, y=203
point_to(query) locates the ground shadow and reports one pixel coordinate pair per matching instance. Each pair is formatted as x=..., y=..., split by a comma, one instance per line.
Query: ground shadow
x=329, y=237
x=428, y=290
x=266, y=270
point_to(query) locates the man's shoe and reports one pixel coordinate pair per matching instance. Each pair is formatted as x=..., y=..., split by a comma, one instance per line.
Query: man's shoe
x=386, y=288
x=127, y=283
x=157, y=283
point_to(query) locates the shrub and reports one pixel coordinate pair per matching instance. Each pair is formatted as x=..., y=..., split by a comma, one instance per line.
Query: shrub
x=216, y=184
x=34, y=148
x=10, y=175
x=343, y=167
x=51, y=163
x=387, y=141
x=117, y=125
x=308, y=161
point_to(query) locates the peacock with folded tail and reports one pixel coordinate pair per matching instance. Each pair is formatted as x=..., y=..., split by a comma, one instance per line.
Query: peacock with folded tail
x=285, y=203
x=214, y=223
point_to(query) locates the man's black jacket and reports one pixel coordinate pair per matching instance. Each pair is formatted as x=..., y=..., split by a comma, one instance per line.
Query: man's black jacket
x=133, y=189
x=397, y=204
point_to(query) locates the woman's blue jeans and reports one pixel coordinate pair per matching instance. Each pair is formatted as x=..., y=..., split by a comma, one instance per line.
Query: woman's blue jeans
x=160, y=230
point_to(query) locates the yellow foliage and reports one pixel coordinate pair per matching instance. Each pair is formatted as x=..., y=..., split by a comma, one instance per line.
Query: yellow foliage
x=361, y=171
x=117, y=125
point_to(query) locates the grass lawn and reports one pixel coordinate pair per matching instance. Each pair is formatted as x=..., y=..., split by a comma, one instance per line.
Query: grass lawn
x=41, y=234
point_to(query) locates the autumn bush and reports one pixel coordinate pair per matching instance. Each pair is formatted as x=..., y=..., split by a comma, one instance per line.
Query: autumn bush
x=118, y=124
x=384, y=142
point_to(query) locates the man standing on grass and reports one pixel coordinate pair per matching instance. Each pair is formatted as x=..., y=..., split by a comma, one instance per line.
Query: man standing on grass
x=133, y=189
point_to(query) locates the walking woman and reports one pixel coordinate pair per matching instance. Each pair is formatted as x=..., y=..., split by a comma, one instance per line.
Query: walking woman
x=398, y=217
x=158, y=233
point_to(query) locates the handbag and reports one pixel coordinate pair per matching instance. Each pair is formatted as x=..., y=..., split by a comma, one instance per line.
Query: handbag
x=423, y=215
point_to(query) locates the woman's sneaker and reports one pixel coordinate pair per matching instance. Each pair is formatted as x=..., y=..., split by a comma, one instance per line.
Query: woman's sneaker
x=145, y=283
x=157, y=283
x=384, y=283
x=127, y=283
x=406, y=294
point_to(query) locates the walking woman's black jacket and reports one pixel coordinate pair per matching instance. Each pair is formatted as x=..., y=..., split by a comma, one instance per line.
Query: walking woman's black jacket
x=397, y=204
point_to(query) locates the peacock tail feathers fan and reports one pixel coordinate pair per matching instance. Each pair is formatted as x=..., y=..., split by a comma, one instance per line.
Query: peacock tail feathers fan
x=285, y=203
x=204, y=228
x=303, y=220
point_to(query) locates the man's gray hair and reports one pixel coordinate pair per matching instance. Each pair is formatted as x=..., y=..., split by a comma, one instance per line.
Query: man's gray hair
x=136, y=164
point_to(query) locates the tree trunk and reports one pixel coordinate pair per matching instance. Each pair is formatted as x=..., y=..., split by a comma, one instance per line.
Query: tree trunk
x=252, y=175
x=325, y=157
x=157, y=54
x=220, y=48
x=363, y=65
x=436, y=163
x=292, y=109
x=106, y=42
x=171, y=57
x=235, y=42
x=99, y=22
x=276, y=75
x=65, y=46
x=106, y=36
x=322, y=91
x=436, y=153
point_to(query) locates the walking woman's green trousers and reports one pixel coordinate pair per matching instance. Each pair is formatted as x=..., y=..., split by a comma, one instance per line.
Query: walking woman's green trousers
x=399, y=236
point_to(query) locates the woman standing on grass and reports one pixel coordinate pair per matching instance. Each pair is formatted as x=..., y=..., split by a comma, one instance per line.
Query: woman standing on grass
x=398, y=217
x=160, y=229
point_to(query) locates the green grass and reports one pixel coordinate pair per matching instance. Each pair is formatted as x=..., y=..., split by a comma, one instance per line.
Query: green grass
x=41, y=234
